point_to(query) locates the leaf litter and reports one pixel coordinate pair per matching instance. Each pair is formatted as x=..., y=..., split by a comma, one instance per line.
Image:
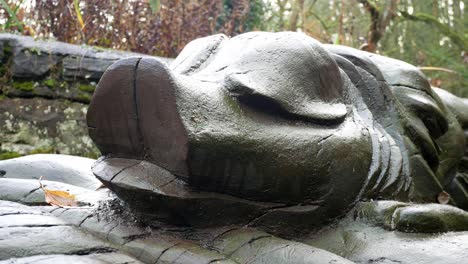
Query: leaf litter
x=58, y=197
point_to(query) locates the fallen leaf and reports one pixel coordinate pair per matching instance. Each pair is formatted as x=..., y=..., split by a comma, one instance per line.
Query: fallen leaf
x=58, y=197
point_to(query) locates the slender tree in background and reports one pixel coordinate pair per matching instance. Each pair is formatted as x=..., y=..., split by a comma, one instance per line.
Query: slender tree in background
x=379, y=21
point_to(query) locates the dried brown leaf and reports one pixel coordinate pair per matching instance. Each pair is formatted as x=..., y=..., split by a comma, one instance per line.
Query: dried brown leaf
x=58, y=197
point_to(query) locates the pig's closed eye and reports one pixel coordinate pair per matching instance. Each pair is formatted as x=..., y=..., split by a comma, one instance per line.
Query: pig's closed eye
x=287, y=102
x=268, y=106
x=259, y=103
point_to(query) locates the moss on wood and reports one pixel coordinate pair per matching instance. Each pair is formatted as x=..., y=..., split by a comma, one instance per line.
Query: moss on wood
x=51, y=83
x=9, y=155
x=86, y=88
x=26, y=86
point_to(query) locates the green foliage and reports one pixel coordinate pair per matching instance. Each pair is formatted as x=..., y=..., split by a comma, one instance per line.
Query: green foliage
x=7, y=49
x=84, y=97
x=430, y=37
x=256, y=16
x=91, y=155
x=232, y=13
x=13, y=20
x=5, y=61
x=155, y=5
x=79, y=17
x=26, y=86
x=86, y=87
x=35, y=50
x=4, y=155
x=457, y=38
x=51, y=83
x=9, y=155
x=423, y=33
x=3, y=69
x=43, y=150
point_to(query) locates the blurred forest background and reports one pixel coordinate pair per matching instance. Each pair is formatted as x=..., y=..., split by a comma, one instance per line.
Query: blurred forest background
x=428, y=33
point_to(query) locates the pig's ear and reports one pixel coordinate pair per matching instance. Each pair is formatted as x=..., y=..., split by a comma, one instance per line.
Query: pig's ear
x=292, y=71
x=195, y=55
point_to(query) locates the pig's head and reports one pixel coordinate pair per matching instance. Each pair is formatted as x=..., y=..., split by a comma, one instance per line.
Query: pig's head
x=276, y=122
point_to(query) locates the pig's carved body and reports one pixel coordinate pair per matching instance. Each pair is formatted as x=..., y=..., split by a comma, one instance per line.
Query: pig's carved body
x=274, y=130
x=242, y=139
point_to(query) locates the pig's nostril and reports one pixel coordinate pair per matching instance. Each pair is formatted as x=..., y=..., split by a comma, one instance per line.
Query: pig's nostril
x=134, y=114
x=111, y=116
x=162, y=131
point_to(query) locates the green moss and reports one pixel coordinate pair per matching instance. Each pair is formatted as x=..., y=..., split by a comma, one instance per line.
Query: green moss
x=102, y=41
x=44, y=150
x=86, y=88
x=3, y=70
x=35, y=50
x=24, y=86
x=51, y=83
x=9, y=155
x=91, y=155
x=67, y=102
x=2, y=96
x=4, y=63
x=84, y=97
x=7, y=49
